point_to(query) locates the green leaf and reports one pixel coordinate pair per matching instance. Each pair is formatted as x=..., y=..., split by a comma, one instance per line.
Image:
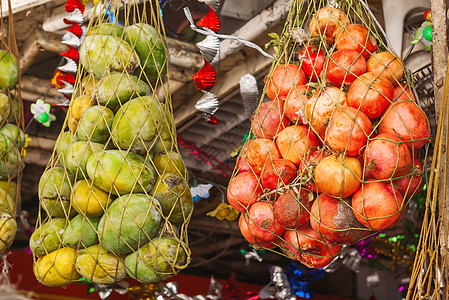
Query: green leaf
x=274, y=35
x=235, y=152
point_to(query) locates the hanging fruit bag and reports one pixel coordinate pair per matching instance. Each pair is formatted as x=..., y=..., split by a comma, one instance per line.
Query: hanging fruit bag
x=114, y=198
x=336, y=152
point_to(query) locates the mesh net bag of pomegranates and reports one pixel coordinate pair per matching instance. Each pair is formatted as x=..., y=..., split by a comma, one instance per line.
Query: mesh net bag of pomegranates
x=336, y=153
x=114, y=199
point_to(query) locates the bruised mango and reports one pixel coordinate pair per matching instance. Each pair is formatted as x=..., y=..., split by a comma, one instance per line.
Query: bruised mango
x=76, y=110
x=48, y=236
x=169, y=162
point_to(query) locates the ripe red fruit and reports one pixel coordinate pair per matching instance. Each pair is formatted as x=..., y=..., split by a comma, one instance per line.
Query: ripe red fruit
x=242, y=163
x=387, y=65
x=326, y=21
x=243, y=191
x=243, y=225
x=345, y=66
x=387, y=157
x=412, y=184
x=262, y=223
x=313, y=60
x=348, y=130
x=335, y=220
x=356, y=37
x=403, y=93
x=261, y=152
x=278, y=173
x=307, y=168
x=338, y=177
x=294, y=102
x=295, y=141
x=407, y=121
x=292, y=209
x=371, y=94
x=378, y=205
x=269, y=119
x=308, y=247
x=284, y=78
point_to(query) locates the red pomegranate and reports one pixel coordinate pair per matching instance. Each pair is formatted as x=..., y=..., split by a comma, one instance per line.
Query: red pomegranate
x=243, y=191
x=294, y=102
x=371, y=94
x=338, y=176
x=387, y=65
x=407, y=121
x=326, y=22
x=403, y=93
x=412, y=184
x=284, y=78
x=262, y=223
x=242, y=163
x=335, y=221
x=319, y=109
x=261, y=152
x=243, y=225
x=387, y=157
x=307, y=246
x=366, y=174
x=377, y=205
x=348, y=130
x=295, y=141
x=313, y=60
x=345, y=66
x=278, y=173
x=269, y=119
x=292, y=209
x=356, y=37
x=307, y=168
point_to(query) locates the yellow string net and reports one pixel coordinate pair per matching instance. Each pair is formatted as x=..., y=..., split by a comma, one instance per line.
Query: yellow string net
x=114, y=198
x=12, y=138
x=336, y=152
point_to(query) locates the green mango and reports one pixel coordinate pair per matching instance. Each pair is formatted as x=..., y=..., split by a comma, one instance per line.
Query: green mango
x=101, y=54
x=81, y=232
x=130, y=222
x=54, y=191
x=158, y=260
x=78, y=154
x=164, y=142
x=7, y=202
x=116, y=172
x=10, y=187
x=63, y=142
x=106, y=29
x=8, y=230
x=137, y=123
x=89, y=85
x=14, y=133
x=152, y=49
x=5, y=107
x=169, y=162
x=14, y=113
x=10, y=159
x=99, y=266
x=95, y=124
x=115, y=89
x=48, y=236
x=9, y=70
x=173, y=194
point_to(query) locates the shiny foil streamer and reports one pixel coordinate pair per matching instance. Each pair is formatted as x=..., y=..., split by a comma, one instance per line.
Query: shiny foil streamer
x=70, y=66
x=67, y=89
x=75, y=16
x=209, y=118
x=205, y=78
x=76, y=30
x=214, y=4
x=71, y=5
x=210, y=21
x=71, y=40
x=208, y=103
x=249, y=93
x=209, y=47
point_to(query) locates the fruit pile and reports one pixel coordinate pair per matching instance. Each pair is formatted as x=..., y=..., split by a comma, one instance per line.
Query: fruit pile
x=334, y=155
x=115, y=194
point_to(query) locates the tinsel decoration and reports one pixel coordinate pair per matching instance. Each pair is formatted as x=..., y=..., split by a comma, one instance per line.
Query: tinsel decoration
x=424, y=33
x=209, y=47
x=70, y=39
x=214, y=4
x=76, y=16
x=208, y=103
x=72, y=53
x=76, y=30
x=71, y=5
x=210, y=21
x=205, y=78
x=249, y=93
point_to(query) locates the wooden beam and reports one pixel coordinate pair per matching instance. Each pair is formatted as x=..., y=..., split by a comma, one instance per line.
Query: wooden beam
x=184, y=54
x=21, y=5
x=36, y=156
x=38, y=86
x=42, y=143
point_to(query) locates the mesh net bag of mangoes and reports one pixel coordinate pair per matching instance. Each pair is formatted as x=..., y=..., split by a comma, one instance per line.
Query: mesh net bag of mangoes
x=114, y=198
x=12, y=137
x=337, y=152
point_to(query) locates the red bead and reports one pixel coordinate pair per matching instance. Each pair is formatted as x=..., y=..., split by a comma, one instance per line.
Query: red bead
x=72, y=53
x=72, y=4
x=205, y=78
x=210, y=21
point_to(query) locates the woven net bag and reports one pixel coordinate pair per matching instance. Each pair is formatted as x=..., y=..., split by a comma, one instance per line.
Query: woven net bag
x=336, y=152
x=114, y=198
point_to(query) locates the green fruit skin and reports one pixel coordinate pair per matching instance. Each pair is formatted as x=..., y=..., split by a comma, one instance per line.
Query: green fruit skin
x=173, y=193
x=63, y=142
x=7, y=202
x=8, y=230
x=100, y=54
x=170, y=162
x=5, y=108
x=164, y=142
x=10, y=158
x=15, y=134
x=116, y=89
x=99, y=266
x=115, y=172
x=151, y=48
x=54, y=192
x=9, y=71
x=48, y=237
x=95, y=124
x=137, y=123
x=78, y=154
x=81, y=232
x=13, y=117
x=10, y=187
x=130, y=222
x=156, y=261
x=106, y=29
